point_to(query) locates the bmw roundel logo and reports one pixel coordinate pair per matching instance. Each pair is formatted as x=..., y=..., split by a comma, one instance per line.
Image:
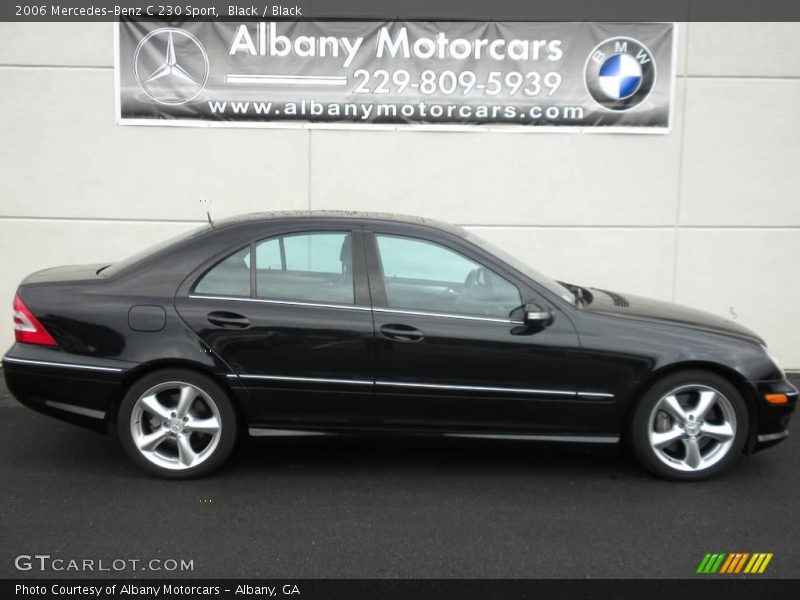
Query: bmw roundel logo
x=620, y=73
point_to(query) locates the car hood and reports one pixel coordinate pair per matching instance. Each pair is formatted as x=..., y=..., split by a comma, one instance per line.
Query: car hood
x=637, y=307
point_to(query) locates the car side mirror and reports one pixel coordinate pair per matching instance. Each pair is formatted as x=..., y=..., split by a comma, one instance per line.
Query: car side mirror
x=537, y=315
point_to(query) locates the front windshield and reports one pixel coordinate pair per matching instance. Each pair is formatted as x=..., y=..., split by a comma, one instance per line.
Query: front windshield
x=523, y=268
x=124, y=264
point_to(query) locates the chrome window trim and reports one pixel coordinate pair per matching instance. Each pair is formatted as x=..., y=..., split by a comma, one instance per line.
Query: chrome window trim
x=472, y=388
x=304, y=379
x=45, y=363
x=395, y=311
x=421, y=313
x=281, y=302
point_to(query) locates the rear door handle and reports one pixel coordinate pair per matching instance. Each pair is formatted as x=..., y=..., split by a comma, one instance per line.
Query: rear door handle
x=401, y=333
x=228, y=319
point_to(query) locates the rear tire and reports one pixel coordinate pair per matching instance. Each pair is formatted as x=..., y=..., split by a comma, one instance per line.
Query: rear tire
x=689, y=426
x=177, y=424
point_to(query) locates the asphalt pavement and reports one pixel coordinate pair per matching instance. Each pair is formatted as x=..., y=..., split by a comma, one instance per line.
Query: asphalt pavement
x=380, y=508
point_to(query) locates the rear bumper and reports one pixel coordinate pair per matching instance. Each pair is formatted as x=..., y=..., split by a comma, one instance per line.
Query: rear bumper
x=80, y=390
x=772, y=419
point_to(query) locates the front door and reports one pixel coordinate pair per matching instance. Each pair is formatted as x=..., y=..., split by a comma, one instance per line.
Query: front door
x=452, y=351
x=290, y=314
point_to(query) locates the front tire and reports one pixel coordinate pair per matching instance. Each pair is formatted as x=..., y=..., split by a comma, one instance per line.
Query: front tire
x=689, y=426
x=177, y=424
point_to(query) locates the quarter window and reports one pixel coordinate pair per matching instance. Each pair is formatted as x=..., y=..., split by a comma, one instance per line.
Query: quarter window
x=421, y=275
x=231, y=277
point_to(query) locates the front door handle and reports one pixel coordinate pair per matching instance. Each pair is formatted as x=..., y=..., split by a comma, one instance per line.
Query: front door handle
x=229, y=320
x=401, y=333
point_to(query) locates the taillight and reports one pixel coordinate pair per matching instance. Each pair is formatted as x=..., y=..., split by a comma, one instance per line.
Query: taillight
x=27, y=328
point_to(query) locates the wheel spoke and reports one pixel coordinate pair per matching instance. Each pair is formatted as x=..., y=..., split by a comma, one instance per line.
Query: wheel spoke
x=151, y=441
x=188, y=394
x=671, y=405
x=186, y=454
x=722, y=432
x=708, y=398
x=153, y=405
x=693, y=457
x=663, y=439
x=209, y=425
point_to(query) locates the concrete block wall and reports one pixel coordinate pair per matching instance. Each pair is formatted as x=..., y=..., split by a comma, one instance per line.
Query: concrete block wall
x=708, y=215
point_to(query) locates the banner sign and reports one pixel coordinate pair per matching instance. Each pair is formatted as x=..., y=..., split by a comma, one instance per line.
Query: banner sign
x=516, y=75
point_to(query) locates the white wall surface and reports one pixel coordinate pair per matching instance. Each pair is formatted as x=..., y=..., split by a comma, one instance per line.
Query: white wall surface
x=709, y=215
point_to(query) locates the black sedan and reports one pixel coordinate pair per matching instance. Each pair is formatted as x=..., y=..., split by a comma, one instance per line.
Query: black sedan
x=291, y=324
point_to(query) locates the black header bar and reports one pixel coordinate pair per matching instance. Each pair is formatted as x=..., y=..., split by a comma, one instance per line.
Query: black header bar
x=384, y=10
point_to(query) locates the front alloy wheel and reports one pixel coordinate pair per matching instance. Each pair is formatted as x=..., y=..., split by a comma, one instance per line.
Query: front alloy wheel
x=177, y=424
x=690, y=426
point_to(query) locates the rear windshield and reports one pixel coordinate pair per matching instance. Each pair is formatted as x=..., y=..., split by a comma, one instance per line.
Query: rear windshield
x=127, y=263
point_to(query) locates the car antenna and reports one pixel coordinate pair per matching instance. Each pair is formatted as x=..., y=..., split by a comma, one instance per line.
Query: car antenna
x=210, y=222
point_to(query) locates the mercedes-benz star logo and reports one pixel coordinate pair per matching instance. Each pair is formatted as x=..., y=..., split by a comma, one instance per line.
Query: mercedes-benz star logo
x=170, y=65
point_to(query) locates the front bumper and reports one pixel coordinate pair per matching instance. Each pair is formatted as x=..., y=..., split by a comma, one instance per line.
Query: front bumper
x=771, y=420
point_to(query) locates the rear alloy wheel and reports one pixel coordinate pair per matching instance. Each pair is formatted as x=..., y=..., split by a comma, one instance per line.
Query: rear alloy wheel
x=177, y=424
x=690, y=426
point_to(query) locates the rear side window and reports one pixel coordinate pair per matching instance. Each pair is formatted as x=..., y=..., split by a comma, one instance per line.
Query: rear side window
x=312, y=267
x=304, y=267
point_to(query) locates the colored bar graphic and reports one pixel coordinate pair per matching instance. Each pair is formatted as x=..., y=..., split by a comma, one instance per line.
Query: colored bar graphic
x=735, y=562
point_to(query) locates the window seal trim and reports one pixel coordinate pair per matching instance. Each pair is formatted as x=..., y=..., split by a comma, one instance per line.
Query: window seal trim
x=397, y=311
x=423, y=313
x=284, y=302
x=355, y=307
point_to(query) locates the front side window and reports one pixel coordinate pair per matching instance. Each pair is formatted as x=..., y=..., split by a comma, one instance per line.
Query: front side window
x=310, y=267
x=422, y=275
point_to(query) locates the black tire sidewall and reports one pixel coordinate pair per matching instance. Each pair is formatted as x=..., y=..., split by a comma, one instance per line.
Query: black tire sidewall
x=639, y=427
x=217, y=394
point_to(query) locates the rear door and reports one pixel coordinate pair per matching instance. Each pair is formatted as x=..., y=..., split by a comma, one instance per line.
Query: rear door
x=290, y=314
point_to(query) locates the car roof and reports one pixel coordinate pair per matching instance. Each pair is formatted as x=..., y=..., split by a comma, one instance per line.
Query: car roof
x=339, y=214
